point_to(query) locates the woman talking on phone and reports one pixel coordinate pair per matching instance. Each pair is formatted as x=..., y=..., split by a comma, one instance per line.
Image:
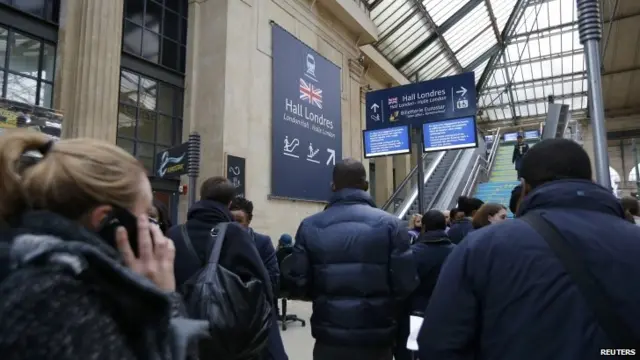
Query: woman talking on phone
x=90, y=276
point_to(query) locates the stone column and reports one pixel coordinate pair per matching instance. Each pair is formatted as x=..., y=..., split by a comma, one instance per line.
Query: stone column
x=402, y=164
x=88, y=67
x=356, y=71
x=363, y=122
x=384, y=179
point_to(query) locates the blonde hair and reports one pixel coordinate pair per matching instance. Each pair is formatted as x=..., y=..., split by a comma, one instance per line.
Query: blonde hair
x=72, y=177
x=412, y=220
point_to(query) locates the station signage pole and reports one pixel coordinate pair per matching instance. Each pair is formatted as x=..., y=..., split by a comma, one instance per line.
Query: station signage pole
x=442, y=111
x=590, y=34
x=421, y=209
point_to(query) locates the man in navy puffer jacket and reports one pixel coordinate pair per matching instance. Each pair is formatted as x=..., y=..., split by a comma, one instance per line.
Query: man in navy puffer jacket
x=504, y=294
x=353, y=260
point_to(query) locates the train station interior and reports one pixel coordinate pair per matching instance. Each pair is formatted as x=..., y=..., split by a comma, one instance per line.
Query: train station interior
x=144, y=74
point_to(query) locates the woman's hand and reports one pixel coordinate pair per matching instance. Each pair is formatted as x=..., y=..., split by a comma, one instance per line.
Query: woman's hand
x=156, y=254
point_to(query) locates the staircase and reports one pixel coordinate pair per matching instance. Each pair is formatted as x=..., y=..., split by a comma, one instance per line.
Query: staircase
x=502, y=180
x=503, y=169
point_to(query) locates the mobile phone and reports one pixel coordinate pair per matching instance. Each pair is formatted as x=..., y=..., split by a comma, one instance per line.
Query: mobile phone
x=116, y=218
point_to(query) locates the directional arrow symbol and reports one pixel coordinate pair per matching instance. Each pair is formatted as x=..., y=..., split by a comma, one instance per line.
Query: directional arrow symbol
x=462, y=91
x=375, y=107
x=332, y=156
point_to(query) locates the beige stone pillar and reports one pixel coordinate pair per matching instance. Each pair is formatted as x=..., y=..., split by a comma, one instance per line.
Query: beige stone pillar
x=356, y=71
x=384, y=179
x=205, y=84
x=88, y=67
x=363, y=123
x=402, y=165
x=206, y=81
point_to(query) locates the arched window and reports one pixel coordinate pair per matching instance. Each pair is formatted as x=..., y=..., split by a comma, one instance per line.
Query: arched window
x=615, y=181
x=632, y=175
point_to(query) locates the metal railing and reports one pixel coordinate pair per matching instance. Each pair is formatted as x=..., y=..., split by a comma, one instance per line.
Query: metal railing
x=428, y=173
x=445, y=180
x=404, y=189
x=482, y=165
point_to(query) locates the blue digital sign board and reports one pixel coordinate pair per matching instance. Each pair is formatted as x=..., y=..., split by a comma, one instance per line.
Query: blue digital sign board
x=427, y=101
x=511, y=136
x=390, y=141
x=307, y=124
x=531, y=134
x=450, y=134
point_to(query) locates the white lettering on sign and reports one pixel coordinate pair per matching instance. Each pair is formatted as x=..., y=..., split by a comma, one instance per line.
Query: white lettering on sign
x=447, y=133
x=384, y=140
x=302, y=116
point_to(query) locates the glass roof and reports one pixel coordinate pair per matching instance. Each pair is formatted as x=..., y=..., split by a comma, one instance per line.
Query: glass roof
x=522, y=51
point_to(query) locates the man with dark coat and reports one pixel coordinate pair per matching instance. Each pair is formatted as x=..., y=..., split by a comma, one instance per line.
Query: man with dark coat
x=239, y=254
x=354, y=262
x=519, y=150
x=504, y=294
x=242, y=211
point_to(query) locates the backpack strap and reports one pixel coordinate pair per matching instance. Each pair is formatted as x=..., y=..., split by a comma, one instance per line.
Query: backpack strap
x=217, y=234
x=187, y=242
x=616, y=329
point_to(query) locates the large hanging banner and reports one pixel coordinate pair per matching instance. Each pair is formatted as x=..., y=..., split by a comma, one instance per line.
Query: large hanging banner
x=307, y=126
x=15, y=114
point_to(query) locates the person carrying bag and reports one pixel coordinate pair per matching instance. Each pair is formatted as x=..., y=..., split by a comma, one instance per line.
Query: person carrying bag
x=238, y=309
x=615, y=328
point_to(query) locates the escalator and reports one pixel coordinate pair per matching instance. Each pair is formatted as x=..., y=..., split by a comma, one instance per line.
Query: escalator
x=437, y=168
x=447, y=175
x=435, y=182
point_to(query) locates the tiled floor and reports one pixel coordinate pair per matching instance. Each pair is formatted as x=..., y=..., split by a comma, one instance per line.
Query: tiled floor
x=297, y=339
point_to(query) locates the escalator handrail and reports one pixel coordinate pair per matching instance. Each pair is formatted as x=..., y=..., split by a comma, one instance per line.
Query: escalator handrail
x=493, y=153
x=404, y=182
x=477, y=166
x=406, y=204
x=444, y=180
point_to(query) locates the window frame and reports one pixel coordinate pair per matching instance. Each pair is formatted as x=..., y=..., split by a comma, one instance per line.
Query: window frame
x=50, y=6
x=182, y=15
x=176, y=117
x=5, y=68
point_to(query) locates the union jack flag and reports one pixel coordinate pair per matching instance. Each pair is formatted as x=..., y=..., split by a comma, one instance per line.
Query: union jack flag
x=393, y=100
x=310, y=93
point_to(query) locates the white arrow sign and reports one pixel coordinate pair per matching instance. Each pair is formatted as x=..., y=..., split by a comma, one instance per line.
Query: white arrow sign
x=332, y=156
x=375, y=107
x=462, y=91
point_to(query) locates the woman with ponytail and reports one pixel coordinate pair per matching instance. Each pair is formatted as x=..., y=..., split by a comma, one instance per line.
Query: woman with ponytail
x=90, y=277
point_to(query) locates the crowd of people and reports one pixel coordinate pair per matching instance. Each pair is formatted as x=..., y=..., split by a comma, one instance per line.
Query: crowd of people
x=91, y=267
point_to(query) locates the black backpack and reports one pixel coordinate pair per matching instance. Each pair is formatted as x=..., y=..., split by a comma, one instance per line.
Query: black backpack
x=238, y=310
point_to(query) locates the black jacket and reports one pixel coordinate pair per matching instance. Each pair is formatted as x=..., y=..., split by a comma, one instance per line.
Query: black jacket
x=429, y=251
x=275, y=348
x=459, y=230
x=519, y=150
x=354, y=262
x=239, y=253
x=72, y=298
x=268, y=256
x=503, y=293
